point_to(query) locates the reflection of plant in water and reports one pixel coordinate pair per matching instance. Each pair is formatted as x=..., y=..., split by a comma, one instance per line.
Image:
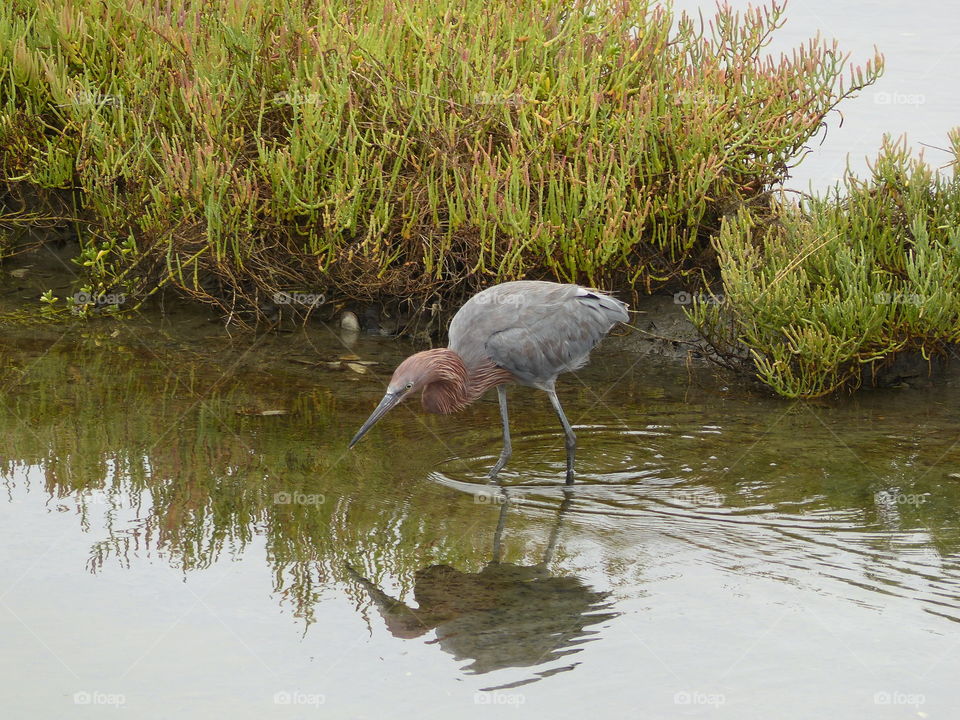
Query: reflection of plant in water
x=160, y=465
x=147, y=443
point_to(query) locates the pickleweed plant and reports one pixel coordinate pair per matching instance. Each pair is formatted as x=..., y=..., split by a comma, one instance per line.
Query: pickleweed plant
x=818, y=293
x=412, y=150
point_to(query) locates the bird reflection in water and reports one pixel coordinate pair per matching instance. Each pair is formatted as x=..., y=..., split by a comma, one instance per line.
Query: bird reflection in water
x=506, y=615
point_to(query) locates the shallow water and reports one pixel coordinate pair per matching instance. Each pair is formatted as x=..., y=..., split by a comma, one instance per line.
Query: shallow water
x=184, y=534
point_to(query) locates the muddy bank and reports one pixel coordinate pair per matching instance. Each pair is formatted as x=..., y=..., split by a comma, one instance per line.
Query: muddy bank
x=659, y=326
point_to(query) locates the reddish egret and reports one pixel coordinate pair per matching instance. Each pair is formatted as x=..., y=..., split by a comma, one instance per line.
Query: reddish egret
x=525, y=332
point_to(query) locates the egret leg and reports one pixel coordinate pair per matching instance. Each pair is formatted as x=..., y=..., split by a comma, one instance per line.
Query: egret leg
x=507, y=448
x=568, y=431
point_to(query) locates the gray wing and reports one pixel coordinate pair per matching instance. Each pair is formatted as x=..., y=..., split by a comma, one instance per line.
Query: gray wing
x=536, y=330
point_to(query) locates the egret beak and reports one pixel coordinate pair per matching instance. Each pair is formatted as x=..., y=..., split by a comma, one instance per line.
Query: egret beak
x=390, y=400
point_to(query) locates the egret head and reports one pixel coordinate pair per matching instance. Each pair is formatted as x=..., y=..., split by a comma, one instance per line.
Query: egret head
x=411, y=375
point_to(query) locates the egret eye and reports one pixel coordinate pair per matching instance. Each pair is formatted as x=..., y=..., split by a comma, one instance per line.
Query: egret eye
x=408, y=386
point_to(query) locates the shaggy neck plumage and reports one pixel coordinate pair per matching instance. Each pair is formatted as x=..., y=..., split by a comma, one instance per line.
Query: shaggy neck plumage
x=452, y=386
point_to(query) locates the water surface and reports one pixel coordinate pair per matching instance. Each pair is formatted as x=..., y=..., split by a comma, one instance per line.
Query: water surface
x=183, y=531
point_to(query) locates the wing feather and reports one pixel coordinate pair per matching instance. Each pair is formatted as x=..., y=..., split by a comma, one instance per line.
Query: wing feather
x=536, y=330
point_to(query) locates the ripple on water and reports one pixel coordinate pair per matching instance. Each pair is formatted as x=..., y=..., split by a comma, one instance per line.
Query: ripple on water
x=767, y=528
